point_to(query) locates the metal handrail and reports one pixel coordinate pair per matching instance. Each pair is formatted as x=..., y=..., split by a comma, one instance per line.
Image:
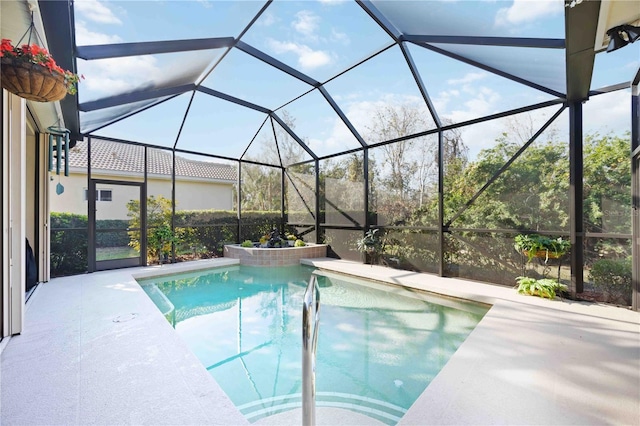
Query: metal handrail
x=311, y=308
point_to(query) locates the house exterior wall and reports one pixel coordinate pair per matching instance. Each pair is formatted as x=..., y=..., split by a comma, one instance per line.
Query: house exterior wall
x=203, y=196
x=190, y=194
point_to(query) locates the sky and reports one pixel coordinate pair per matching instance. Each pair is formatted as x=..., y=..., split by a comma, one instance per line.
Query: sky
x=322, y=39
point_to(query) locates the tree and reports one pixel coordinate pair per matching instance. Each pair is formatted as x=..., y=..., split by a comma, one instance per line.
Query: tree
x=408, y=172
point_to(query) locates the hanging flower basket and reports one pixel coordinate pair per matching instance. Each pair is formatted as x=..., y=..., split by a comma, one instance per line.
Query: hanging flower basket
x=30, y=72
x=32, y=81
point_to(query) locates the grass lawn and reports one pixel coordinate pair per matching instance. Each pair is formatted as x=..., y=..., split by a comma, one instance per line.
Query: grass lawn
x=110, y=253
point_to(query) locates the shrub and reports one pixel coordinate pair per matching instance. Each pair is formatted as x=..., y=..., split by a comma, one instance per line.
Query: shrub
x=68, y=244
x=300, y=243
x=246, y=243
x=613, y=279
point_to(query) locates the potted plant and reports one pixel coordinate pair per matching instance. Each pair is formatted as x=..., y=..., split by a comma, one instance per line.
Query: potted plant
x=30, y=72
x=291, y=239
x=534, y=245
x=371, y=245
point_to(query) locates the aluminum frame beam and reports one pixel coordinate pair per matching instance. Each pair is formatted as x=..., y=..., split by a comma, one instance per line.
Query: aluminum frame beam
x=543, y=43
x=270, y=60
x=58, y=22
x=233, y=99
x=121, y=50
x=581, y=25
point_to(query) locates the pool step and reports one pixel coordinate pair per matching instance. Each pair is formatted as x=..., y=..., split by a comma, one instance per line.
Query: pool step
x=380, y=410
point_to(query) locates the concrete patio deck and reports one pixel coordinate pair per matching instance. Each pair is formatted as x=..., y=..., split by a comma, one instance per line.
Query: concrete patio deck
x=95, y=350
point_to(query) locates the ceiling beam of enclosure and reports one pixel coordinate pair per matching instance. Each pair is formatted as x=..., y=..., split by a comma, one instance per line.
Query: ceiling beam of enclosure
x=270, y=60
x=233, y=99
x=120, y=50
x=57, y=19
x=541, y=43
x=581, y=22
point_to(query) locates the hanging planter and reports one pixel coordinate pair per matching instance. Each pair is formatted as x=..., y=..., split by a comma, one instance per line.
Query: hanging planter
x=32, y=81
x=30, y=72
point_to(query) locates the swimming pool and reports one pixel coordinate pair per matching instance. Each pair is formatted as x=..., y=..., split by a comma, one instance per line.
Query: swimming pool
x=378, y=349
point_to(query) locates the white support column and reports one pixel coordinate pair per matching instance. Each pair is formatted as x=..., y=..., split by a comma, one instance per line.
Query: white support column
x=4, y=217
x=44, y=211
x=14, y=206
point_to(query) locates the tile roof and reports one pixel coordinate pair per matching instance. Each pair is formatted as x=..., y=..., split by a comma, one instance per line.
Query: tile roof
x=122, y=157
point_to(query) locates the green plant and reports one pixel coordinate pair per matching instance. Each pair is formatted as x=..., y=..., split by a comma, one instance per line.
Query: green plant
x=613, y=278
x=371, y=244
x=545, y=287
x=299, y=243
x=246, y=243
x=534, y=245
x=291, y=237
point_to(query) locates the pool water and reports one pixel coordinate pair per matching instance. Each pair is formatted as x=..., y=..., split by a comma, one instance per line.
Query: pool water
x=379, y=346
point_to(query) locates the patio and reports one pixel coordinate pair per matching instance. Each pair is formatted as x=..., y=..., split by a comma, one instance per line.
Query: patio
x=529, y=361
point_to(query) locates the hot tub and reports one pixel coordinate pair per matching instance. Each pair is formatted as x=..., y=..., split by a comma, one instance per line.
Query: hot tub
x=257, y=256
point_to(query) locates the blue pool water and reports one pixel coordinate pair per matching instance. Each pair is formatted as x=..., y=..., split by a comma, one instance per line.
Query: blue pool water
x=379, y=346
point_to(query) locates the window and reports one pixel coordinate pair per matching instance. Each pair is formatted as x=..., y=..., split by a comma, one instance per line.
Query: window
x=101, y=194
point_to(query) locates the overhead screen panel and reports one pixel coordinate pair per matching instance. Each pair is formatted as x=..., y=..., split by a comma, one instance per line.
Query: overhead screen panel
x=319, y=39
x=377, y=90
x=318, y=125
x=214, y=126
x=476, y=18
x=94, y=120
x=139, y=21
x=263, y=148
x=119, y=76
x=158, y=125
x=245, y=77
x=544, y=67
x=615, y=67
x=462, y=92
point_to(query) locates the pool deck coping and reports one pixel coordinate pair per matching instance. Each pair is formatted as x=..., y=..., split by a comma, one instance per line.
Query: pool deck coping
x=529, y=361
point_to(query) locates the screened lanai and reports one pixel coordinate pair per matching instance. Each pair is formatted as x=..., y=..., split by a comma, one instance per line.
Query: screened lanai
x=452, y=127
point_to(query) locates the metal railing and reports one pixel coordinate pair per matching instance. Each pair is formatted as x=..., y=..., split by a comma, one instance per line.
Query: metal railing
x=311, y=308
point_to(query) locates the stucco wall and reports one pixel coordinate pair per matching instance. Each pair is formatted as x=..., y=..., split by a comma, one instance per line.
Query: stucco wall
x=190, y=195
